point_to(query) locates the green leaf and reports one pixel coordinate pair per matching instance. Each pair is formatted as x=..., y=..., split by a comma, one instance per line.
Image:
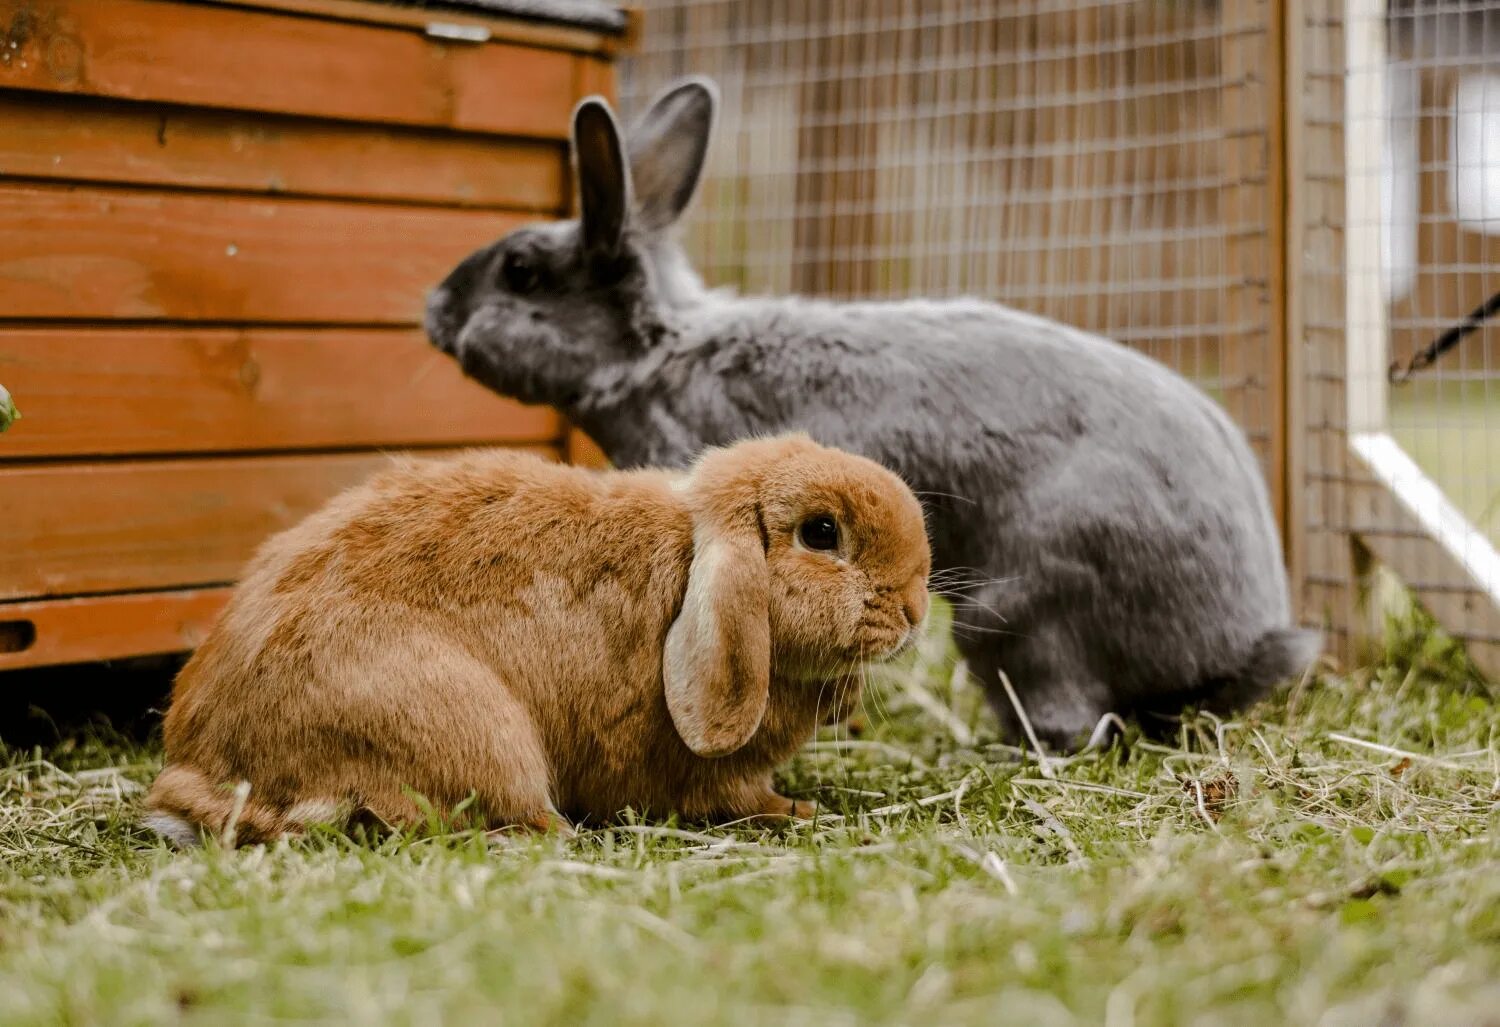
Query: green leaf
x=465, y=803
x=8, y=413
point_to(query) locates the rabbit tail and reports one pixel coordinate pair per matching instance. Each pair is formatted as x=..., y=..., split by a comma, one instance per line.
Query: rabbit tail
x=184, y=806
x=1277, y=655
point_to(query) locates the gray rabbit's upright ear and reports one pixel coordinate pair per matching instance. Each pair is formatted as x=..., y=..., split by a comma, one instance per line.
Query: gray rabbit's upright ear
x=668, y=147
x=717, y=667
x=603, y=181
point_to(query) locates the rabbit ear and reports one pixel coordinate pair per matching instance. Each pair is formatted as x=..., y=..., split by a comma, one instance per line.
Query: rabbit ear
x=717, y=668
x=603, y=182
x=667, y=150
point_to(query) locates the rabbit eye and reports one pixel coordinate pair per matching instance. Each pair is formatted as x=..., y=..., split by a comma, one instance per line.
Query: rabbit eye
x=819, y=533
x=520, y=274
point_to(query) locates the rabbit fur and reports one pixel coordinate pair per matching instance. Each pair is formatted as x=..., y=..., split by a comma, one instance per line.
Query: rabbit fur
x=1101, y=523
x=554, y=641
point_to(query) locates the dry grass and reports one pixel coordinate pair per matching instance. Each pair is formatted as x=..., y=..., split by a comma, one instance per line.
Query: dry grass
x=1331, y=857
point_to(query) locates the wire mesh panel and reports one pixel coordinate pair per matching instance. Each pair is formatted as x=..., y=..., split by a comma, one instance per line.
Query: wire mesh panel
x=1394, y=153
x=1441, y=179
x=1104, y=162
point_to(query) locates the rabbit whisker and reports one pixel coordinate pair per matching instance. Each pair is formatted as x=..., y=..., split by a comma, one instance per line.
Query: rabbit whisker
x=937, y=581
x=973, y=630
x=946, y=495
x=956, y=568
x=966, y=603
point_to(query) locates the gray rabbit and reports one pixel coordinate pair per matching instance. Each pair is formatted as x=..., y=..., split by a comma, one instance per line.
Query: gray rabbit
x=1102, y=523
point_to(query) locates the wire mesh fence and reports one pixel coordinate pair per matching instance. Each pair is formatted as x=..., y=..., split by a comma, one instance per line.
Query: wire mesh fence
x=1216, y=182
x=1071, y=159
x=1419, y=124
x=1440, y=179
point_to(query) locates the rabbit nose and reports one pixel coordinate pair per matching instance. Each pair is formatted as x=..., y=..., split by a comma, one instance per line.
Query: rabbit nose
x=915, y=604
x=435, y=319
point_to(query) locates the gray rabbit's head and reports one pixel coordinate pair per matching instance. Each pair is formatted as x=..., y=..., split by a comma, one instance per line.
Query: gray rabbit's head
x=536, y=314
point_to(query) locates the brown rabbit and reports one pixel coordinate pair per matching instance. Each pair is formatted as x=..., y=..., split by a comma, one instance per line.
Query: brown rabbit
x=547, y=639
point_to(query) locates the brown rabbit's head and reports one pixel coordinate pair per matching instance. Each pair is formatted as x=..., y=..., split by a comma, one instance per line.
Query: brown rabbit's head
x=807, y=562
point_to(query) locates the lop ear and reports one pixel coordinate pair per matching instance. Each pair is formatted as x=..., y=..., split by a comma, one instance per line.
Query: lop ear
x=603, y=181
x=717, y=668
x=668, y=147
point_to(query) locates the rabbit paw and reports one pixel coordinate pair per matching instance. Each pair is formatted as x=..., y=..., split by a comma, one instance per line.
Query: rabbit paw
x=545, y=822
x=782, y=808
x=804, y=810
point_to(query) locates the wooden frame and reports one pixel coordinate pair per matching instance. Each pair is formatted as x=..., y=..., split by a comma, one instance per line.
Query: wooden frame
x=47, y=631
x=1254, y=195
x=1362, y=495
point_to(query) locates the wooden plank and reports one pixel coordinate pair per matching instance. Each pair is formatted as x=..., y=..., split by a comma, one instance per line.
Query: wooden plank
x=102, y=253
x=52, y=631
x=1294, y=247
x=1403, y=520
x=554, y=37
x=73, y=529
x=83, y=139
x=1277, y=362
x=1251, y=112
x=213, y=56
x=1367, y=308
x=596, y=77
x=635, y=25
x=102, y=391
x=1329, y=574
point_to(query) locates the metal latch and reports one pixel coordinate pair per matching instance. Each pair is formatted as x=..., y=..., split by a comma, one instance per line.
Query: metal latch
x=458, y=33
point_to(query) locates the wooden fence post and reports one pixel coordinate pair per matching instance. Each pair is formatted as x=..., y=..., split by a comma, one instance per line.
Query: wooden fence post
x=1252, y=212
x=1322, y=561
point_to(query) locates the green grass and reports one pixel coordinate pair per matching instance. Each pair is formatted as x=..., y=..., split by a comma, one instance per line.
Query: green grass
x=1255, y=871
x=1452, y=430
